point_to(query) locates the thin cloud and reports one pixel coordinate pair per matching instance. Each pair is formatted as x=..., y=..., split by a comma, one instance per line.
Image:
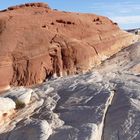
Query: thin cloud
x=116, y=7
x=127, y=19
x=126, y=14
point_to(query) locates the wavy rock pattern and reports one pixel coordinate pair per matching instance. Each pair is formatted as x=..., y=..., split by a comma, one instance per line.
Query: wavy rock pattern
x=99, y=105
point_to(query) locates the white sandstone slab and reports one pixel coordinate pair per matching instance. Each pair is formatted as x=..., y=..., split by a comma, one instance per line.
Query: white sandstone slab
x=20, y=93
x=6, y=105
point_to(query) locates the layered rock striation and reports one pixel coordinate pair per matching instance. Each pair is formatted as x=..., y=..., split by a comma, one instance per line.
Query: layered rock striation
x=37, y=42
x=100, y=105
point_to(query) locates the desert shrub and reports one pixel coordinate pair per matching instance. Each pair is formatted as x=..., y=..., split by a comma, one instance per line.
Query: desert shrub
x=19, y=104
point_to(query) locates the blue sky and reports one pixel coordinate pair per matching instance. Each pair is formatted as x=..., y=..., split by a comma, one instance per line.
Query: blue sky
x=126, y=13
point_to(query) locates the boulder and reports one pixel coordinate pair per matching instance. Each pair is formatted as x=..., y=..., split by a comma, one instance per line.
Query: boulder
x=6, y=105
x=20, y=94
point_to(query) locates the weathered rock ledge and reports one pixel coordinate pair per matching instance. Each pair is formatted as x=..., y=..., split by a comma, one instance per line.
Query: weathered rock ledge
x=37, y=4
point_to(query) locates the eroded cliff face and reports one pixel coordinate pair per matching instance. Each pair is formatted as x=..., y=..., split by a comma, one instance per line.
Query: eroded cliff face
x=37, y=42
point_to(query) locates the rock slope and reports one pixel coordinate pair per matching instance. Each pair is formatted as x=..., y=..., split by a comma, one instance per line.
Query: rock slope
x=61, y=110
x=100, y=105
x=37, y=43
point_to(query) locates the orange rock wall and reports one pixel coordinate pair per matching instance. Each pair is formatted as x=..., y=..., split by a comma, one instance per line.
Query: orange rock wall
x=37, y=42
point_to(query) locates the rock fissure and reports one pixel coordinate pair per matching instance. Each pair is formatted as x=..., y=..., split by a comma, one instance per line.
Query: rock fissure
x=93, y=48
x=106, y=114
x=52, y=40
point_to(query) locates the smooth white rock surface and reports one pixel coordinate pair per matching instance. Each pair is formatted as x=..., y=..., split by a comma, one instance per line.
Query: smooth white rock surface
x=21, y=94
x=33, y=130
x=6, y=105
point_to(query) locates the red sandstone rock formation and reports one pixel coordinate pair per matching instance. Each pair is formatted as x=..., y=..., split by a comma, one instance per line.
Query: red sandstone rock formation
x=37, y=42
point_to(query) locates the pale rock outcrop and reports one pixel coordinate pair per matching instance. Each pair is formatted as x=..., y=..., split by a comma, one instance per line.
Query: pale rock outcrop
x=136, y=69
x=135, y=56
x=82, y=107
x=33, y=130
x=7, y=107
x=122, y=119
x=20, y=94
x=72, y=110
x=6, y=104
